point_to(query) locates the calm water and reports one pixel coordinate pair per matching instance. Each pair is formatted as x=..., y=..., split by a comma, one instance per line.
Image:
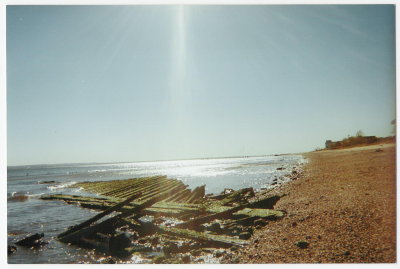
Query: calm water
x=53, y=217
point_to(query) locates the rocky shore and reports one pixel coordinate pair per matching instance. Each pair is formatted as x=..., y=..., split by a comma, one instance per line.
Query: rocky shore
x=341, y=209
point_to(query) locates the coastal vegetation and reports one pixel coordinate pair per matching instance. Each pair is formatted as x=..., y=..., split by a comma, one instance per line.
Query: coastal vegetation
x=357, y=140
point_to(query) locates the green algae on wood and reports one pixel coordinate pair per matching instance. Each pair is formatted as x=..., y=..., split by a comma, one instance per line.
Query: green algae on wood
x=220, y=240
x=259, y=213
x=162, y=198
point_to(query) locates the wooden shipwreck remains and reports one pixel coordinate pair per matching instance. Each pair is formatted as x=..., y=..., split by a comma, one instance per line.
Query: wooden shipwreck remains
x=158, y=214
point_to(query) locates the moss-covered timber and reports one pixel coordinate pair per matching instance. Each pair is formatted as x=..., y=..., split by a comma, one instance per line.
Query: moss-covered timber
x=210, y=239
x=148, y=186
x=74, y=236
x=101, y=215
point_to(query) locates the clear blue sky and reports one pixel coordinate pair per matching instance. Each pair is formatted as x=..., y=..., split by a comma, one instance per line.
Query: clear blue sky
x=133, y=83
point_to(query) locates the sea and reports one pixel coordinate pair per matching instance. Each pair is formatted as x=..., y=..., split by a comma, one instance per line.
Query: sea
x=27, y=214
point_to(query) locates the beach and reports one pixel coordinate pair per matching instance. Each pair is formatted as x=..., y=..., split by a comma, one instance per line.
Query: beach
x=343, y=208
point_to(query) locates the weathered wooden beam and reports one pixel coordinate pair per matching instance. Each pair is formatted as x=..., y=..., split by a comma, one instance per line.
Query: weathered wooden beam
x=198, y=194
x=174, y=196
x=99, y=216
x=182, y=196
x=122, y=187
x=239, y=195
x=204, y=219
x=143, y=189
x=177, y=185
x=112, y=223
x=230, y=211
x=109, y=225
x=210, y=239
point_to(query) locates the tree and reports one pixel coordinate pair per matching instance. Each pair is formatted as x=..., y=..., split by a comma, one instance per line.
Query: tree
x=393, y=122
x=360, y=133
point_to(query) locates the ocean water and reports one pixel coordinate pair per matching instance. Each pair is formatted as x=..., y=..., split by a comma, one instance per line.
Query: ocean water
x=32, y=215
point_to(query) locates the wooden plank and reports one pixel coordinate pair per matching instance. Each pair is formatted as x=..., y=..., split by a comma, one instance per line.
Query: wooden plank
x=122, y=187
x=144, y=189
x=198, y=194
x=99, y=216
x=203, y=219
x=111, y=223
x=210, y=239
x=174, y=196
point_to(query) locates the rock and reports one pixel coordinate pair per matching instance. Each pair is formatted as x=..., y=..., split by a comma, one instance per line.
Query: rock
x=18, y=198
x=234, y=248
x=155, y=241
x=244, y=235
x=185, y=247
x=261, y=222
x=159, y=259
x=235, y=230
x=11, y=249
x=194, y=245
x=219, y=254
x=142, y=241
x=171, y=248
x=227, y=191
x=196, y=252
x=346, y=253
x=235, y=260
x=34, y=240
x=186, y=259
x=46, y=182
x=135, y=236
x=199, y=228
x=302, y=244
x=118, y=243
x=280, y=168
x=108, y=260
x=215, y=227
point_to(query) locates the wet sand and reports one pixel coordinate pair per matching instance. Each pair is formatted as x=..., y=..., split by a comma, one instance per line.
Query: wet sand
x=343, y=205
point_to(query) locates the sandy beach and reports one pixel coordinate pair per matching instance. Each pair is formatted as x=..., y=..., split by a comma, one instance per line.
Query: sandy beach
x=343, y=205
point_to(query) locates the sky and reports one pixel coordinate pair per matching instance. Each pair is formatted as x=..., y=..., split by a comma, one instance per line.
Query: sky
x=139, y=83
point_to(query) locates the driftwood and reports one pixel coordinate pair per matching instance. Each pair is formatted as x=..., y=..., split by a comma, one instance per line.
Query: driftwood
x=32, y=241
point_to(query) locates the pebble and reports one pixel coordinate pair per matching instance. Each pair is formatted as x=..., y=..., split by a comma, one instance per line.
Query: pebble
x=302, y=244
x=186, y=259
x=11, y=249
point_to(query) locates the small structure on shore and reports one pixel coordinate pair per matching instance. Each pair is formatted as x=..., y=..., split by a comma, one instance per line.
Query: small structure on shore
x=161, y=215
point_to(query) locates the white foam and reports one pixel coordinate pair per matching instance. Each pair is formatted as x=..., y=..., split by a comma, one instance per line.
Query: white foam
x=61, y=186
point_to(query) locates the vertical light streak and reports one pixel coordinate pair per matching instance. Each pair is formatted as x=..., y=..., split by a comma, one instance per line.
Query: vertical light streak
x=178, y=91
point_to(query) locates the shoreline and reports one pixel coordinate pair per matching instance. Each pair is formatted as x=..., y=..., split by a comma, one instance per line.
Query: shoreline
x=343, y=205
